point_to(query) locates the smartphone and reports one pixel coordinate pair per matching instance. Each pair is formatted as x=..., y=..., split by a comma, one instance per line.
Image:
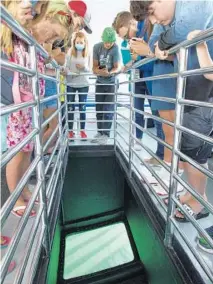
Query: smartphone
x=102, y=67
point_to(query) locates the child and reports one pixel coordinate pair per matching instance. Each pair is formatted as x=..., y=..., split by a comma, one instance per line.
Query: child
x=77, y=60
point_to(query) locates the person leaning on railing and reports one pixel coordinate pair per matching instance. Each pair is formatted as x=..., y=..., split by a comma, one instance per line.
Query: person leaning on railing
x=204, y=61
x=12, y=48
x=105, y=66
x=57, y=20
x=180, y=18
x=127, y=28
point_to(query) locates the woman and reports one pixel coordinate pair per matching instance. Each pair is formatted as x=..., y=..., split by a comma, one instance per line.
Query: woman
x=57, y=20
x=77, y=60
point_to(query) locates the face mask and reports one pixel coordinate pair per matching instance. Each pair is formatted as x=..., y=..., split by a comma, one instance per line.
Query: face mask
x=79, y=46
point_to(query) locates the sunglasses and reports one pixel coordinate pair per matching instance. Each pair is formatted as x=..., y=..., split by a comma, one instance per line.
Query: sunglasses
x=62, y=13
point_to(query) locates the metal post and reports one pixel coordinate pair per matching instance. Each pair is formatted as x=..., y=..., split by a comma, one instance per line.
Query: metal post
x=131, y=118
x=66, y=112
x=78, y=116
x=37, y=115
x=115, y=111
x=177, y=140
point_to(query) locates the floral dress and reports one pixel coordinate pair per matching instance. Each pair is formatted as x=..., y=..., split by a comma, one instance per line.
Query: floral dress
x=20, y=122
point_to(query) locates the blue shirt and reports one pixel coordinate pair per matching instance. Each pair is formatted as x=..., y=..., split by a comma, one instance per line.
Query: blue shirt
x=190, y=16
x=166, y=87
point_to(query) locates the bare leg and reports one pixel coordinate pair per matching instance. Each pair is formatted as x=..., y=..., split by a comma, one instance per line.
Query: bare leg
x=51, y=126
x=169, y=134
x=198, y=181
x=15, y=170
x=168, y=131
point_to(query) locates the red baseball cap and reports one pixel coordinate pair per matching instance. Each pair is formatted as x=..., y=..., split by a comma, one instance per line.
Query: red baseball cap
x=80, y=8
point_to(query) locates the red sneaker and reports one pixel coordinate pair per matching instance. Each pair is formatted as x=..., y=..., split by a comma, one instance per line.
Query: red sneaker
x=71, y=135
x=83, y=135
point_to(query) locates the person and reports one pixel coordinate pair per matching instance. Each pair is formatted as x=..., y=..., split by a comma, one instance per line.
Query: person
x=20, y=122
x=178, y=22
x=105, y=66
x=205, y=60
x=127, y=28
x=77, y=61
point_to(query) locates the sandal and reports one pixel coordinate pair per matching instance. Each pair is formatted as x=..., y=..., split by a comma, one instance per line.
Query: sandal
x=36, y=201
x=166, y=200
x=202, y=214
x=17, y=214
x=11, y=266
x=5, y=241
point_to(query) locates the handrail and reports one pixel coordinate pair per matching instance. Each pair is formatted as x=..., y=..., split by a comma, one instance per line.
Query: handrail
x=47, y=190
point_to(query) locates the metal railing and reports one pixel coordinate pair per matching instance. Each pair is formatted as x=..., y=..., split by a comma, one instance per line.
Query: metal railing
x=122, y=123
x=172, y=227
x=46, y=192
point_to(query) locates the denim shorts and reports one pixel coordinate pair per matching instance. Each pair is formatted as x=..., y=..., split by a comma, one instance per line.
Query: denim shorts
x=50, y=90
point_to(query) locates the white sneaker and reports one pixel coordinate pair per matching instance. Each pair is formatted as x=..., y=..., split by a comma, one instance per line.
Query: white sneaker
x=137, y=146
x=103, y=140
x=96, y=138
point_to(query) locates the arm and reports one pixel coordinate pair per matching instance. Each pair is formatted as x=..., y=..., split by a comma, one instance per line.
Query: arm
x=115, y=69
x=204, y=59
x=203, y=55
x=116, y=59
x=187, y=20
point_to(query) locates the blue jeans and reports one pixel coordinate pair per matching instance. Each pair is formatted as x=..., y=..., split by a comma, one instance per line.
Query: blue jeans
x=104, y=120
x=82, y=93
x=160, y=134
x=139, y=119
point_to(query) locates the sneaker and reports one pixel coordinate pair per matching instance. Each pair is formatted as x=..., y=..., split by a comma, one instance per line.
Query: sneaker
x=137, y=146
x=103, y=140
x=96, y=138
x=83, y=135
x=152, y=162
x=71, y=135
x=202, y=243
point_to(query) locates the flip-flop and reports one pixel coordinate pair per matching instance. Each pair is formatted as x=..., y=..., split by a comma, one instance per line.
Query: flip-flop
x=18, y=208
x=6, y=241
x=202, y=214
x=11, y=266
x=166, y=200
x=36, y=201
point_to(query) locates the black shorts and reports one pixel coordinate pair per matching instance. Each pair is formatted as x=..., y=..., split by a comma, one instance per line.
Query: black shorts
x=200, y=154
x=199, y=120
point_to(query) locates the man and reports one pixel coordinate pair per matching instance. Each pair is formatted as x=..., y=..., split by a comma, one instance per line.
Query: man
x=178, y=18
x=129, y=25
x=81, y=16
x=105, y=66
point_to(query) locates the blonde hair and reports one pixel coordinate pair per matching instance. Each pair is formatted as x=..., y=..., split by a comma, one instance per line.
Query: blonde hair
x=6, y=32
x=73, y=50
x=50, y=10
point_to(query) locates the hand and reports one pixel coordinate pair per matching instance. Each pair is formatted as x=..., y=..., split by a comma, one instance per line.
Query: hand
x=193, y=34
x=64, y=71
x=79, y=66
x=48, y=47
x=55, y=52
x=139, y=47
x=103, y=72
x=134, y=56
x=162, y=55
x=24, y=12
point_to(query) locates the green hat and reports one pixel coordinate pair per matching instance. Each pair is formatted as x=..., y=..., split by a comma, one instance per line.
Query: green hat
x=109, y=35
